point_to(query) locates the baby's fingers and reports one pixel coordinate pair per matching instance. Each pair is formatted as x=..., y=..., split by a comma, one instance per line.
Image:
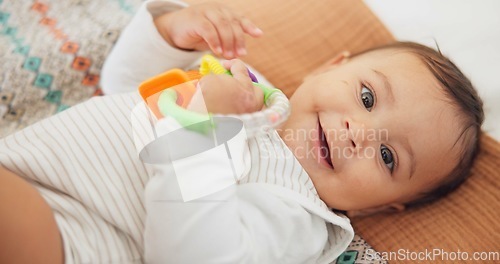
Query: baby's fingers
x=252, y=98
x=250, y=28
x=238, y=34
x=240, y=73
x=240, y=26
x=223, y=25
x=231, y=29
x=210, y=35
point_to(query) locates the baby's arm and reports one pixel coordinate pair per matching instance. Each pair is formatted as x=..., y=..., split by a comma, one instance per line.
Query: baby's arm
x=141, y=52
x=163, y=36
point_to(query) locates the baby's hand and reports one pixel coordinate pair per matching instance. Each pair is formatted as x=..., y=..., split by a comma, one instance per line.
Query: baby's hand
x=207, y=26
x=224, y=94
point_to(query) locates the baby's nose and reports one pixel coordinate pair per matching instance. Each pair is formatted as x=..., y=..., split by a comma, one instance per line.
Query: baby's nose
x=353, y=144
x=355, y=133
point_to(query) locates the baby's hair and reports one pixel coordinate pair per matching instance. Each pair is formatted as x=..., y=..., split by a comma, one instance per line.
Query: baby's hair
x=461, y=93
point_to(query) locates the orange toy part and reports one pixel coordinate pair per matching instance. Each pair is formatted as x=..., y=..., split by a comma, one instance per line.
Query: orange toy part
x=150, y=89
x=194, y=75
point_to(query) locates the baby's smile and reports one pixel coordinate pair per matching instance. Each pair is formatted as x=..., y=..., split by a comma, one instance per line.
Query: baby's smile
x=323, y=146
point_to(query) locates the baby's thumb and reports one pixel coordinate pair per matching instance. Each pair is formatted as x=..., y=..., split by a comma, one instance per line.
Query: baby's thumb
x=240, y=73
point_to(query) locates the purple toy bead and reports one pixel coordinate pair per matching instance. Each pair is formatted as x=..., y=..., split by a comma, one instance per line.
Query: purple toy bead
x=252, y=76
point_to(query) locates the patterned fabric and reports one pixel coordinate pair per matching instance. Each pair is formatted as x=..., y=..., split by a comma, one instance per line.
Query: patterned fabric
x=51, y=55
x=360, y=252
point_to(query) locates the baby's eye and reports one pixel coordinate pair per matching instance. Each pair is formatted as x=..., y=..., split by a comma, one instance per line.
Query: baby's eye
x=387, y=157
x=367, y=98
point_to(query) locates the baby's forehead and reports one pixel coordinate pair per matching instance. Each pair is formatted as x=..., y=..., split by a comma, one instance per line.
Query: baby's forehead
x=392, y=55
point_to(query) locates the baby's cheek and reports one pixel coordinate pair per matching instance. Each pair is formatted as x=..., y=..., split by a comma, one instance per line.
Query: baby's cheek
x=364, y=182
x=366, y=177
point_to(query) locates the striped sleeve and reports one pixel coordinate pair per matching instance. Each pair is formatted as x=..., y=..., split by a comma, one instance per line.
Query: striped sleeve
x=83, y=161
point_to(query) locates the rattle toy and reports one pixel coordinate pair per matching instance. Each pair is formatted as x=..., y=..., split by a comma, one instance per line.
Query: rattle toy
x=169, y=94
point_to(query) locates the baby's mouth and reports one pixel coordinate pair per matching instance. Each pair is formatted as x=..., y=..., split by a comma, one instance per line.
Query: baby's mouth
x=324, y=147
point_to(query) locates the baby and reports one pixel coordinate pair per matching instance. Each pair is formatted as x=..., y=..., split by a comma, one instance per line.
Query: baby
x=393, y=127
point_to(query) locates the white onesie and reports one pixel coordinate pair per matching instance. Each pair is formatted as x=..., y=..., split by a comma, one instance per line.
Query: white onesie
x=110, y=206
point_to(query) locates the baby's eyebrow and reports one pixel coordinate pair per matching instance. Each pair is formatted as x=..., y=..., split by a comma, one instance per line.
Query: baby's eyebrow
x=387, y=84
x=406, y=144
x=409, y=149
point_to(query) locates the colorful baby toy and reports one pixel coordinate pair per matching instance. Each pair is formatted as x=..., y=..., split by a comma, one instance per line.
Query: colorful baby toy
x=169, y=94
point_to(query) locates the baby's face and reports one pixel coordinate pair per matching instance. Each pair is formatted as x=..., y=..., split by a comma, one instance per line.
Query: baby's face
x=388, y=126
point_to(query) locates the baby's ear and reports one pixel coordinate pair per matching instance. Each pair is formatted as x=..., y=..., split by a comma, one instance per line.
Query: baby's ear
x=339, y=59
x=391, y=208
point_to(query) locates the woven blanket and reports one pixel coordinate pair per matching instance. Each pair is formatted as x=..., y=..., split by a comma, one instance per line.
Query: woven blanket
x=52, y=53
